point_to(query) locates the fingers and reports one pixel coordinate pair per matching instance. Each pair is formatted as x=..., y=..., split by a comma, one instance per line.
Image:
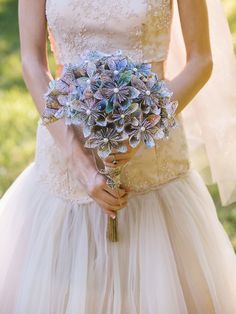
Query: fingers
x=121, y=159
x=118, y=157
x=111, y=210
x=119, y=192
x=125, y=188
x=119, y=163
x=113, y=197
x=101, y=184
x=116, y=203
x=107, y=209
x=108, y=198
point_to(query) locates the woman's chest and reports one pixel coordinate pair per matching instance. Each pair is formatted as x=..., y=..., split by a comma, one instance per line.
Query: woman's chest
x=109, y=15
x=104, y=15
x=140, y=28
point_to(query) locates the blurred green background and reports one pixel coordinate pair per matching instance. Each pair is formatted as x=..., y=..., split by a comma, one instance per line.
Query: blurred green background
x=18, y=116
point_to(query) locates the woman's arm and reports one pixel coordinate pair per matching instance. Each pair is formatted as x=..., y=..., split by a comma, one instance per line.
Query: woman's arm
x=33, y=35
x=194, y=23
x=36, y=74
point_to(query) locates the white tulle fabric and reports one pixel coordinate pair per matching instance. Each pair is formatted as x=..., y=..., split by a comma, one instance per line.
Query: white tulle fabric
x=173, y=256
x=210, y=119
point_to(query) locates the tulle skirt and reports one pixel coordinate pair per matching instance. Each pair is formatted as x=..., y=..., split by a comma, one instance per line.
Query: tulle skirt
x=173, y=255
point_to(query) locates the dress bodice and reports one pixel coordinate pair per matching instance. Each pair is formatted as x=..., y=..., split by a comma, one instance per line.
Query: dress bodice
x=141, y=28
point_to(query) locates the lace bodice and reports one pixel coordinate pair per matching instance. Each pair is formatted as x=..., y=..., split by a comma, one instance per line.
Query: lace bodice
x=141, y=28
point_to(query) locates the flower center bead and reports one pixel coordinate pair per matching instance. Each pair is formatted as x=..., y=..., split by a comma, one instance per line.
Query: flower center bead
x=116, y=90
x=105, y=140
x=142, y=128
x=122, y=116
x=88, y=112
x=135, y=69
x=148, y=92
x=88, y=81
x=116, y=72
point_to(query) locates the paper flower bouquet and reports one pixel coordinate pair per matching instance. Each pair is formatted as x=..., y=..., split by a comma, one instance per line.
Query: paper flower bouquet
x=113, y=99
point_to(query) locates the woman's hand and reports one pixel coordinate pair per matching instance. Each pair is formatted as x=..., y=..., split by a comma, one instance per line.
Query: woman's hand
x=82, y=167
x=95, y=184
x=121, y=158
x=109, y=199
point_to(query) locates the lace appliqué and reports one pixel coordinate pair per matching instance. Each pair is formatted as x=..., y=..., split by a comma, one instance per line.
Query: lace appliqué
x=53, y=172
x=151, y=168
x=156, y=32
x=140, y=28
x=160, y=13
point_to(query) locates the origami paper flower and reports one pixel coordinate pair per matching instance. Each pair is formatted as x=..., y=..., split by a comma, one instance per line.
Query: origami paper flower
x=121, y=115
x=145, y=130
x=89, y=113
x=112, y=97
x=105, y=139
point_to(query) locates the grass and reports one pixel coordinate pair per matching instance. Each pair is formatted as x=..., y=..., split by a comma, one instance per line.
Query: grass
x=18, y=116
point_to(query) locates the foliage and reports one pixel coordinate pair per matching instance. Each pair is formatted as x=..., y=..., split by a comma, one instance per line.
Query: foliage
x=18, y=117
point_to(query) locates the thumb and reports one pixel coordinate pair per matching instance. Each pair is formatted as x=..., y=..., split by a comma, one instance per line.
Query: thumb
x=126, y=188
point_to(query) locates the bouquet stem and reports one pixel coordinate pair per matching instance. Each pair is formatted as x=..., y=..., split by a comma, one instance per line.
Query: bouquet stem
x=113, y=180
x=112, y=229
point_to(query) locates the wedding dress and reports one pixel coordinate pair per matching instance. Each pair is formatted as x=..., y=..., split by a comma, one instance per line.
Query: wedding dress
x=173, y=255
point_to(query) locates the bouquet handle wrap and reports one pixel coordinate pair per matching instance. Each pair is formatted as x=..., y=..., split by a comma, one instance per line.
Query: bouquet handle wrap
x=113, y=175
x=114, y=181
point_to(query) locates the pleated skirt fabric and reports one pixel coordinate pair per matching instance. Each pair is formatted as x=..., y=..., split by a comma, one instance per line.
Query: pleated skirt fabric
x=173, y=255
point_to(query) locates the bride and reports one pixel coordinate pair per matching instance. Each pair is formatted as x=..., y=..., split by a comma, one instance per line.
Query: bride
x=173, y=255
